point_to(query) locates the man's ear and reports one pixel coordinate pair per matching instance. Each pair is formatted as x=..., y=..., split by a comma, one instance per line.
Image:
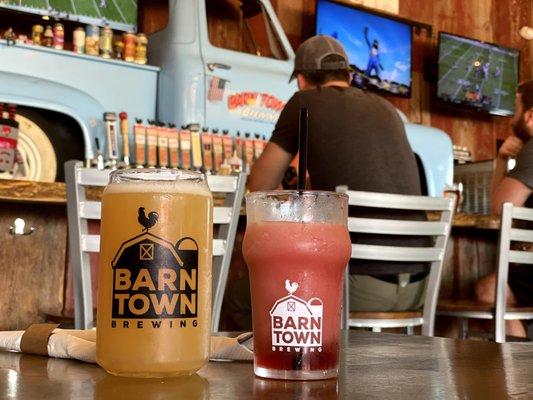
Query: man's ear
x=302, y=83
x=528, y=116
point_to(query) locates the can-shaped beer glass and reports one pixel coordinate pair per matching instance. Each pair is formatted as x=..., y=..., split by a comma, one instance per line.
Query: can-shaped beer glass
x=296, y=247
x=154, y=294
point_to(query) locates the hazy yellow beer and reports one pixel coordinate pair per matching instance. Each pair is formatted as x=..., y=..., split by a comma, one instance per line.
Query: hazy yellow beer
x=154, y=294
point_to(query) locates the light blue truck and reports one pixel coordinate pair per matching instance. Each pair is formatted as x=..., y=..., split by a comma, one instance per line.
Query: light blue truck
x=61, y=96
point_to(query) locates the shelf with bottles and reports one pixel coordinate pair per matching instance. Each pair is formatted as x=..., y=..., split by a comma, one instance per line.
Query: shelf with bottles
x=90, y=40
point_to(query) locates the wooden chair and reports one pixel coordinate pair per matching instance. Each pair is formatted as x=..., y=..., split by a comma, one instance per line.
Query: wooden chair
x=438, y=230
x=81, y=243
x=498, y=312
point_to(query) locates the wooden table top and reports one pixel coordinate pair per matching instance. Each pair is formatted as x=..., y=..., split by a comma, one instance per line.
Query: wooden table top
x=373, y=365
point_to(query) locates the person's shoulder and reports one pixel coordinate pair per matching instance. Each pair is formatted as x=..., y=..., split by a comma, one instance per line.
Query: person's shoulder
x=378, y=100
x=294, y=98
x=373, y=103
x=528, y=147
x=525, y=157
x=292, y=104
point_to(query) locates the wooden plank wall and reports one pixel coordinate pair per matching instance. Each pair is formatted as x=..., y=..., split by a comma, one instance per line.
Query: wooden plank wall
x=496, y=21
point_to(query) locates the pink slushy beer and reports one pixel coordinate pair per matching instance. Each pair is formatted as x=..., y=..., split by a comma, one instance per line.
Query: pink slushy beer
x=297, y=247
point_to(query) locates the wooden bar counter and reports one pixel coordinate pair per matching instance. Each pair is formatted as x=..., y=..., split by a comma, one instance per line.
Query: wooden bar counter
x=373, y=366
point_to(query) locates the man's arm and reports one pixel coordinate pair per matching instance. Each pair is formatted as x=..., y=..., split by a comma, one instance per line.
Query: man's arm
x=268, y=171
x=506, y=189
x=509, y=190
x=366, y=38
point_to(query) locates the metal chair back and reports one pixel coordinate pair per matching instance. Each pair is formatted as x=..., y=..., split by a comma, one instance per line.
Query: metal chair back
x=438, y=230
x=506, y=255
x=81, y=243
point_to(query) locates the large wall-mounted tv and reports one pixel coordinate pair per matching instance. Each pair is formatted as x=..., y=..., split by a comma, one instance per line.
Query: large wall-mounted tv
x=480, y=75
x=378, y=47
x=118, y=14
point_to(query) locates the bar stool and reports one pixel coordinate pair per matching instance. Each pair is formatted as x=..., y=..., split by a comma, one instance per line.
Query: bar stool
x=499, y=312
x=438, y=230
x=81, y=243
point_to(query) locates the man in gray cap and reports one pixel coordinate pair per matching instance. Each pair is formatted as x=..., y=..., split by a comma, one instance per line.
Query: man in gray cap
x=355, y=139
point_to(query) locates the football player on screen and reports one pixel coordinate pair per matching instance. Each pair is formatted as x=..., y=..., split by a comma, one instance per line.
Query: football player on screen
x=374, y=62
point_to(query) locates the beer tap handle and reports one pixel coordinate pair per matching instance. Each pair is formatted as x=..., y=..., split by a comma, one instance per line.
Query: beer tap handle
x=110, y=119
x=99, y=156
x=124, y=131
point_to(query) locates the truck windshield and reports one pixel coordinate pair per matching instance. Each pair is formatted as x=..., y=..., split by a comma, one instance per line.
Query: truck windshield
x=245, y=26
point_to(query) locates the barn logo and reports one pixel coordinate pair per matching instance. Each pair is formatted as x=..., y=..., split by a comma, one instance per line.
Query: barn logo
x=296, y=323
x=154, y=278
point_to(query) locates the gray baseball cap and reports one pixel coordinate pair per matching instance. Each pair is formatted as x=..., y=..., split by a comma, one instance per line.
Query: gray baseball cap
x=311, y=53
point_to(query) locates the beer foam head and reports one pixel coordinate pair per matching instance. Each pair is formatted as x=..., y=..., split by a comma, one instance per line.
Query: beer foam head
x=157, y=180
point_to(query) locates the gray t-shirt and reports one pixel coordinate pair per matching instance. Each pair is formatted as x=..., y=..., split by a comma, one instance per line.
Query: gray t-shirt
x=523, y=171
x=356, y=139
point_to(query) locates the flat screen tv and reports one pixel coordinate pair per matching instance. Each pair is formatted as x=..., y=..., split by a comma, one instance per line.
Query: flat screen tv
x=479, y=75
x=378, y=47
x=118, y=14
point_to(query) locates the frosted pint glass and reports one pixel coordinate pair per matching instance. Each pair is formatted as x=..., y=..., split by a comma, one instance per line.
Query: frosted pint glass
x=296, y=247
x=154, y=293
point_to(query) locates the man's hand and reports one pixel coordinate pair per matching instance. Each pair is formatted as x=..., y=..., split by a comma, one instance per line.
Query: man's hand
x=510, y=148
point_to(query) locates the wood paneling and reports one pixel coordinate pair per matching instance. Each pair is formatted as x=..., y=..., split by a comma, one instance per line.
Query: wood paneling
x=496, y=21
x=32, y=267
x=152, y=15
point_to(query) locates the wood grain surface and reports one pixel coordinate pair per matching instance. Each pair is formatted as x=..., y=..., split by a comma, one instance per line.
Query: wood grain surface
x=27, y=191
x=373, y=366
x=32, y=267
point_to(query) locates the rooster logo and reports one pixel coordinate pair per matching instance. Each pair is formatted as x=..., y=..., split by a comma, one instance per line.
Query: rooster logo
x=145, y=221
x=291, y=287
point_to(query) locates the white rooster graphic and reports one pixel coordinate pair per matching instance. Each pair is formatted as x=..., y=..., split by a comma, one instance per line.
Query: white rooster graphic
x=291, y=287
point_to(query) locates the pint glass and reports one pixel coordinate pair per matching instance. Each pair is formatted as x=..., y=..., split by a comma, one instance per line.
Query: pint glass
x=296, y=247
x=154, y=294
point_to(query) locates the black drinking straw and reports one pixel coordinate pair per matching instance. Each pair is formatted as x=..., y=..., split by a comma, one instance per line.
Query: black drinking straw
x=302, y=148
x=297, y=359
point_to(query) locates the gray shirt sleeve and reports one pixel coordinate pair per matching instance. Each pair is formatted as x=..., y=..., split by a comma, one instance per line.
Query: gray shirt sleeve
x=523, y=171
x=285, y=133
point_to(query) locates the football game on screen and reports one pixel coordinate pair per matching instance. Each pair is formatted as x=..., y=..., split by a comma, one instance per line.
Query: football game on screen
x=378, y=48
x=477, y=74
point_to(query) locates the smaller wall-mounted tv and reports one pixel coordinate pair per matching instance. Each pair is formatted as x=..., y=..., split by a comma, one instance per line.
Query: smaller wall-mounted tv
x=476, y=74
x=378, y=46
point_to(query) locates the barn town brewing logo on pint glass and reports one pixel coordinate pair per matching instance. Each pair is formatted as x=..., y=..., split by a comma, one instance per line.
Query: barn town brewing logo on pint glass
x=296, y=247
x=296, y=323
x=154, y=295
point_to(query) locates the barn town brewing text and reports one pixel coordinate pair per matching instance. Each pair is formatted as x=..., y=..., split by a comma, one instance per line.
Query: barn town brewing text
x=164, y=291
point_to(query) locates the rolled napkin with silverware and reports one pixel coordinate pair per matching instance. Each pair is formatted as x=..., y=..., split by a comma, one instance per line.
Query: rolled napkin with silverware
x=49, y=340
